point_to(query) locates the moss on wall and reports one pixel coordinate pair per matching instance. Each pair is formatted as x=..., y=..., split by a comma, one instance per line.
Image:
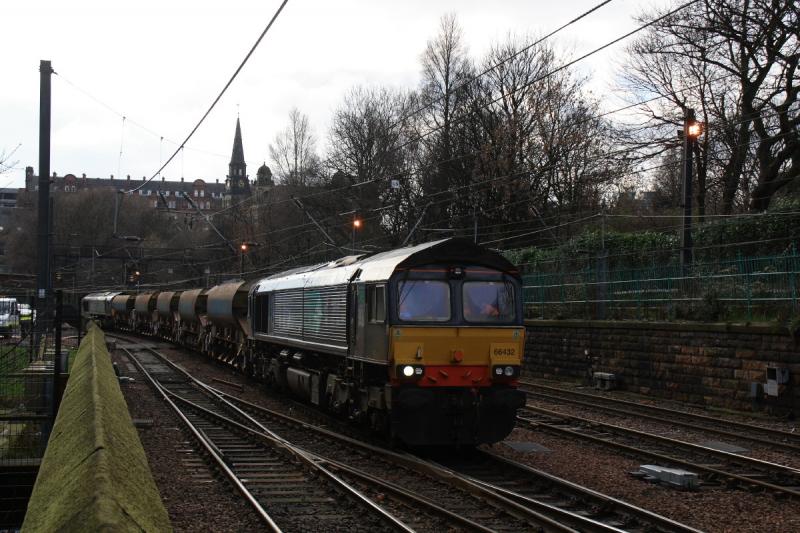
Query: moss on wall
x=94, y=475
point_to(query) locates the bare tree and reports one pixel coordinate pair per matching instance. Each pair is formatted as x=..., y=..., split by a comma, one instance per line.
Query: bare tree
x=540, y=146
x=6, y=163
x=736, y=61
x=371, y=145
x=444, y=93
x=294, y=152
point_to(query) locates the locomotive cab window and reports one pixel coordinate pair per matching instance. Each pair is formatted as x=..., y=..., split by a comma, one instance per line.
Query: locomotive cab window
x=488, y=301
x=376, y=299
x=423, y=301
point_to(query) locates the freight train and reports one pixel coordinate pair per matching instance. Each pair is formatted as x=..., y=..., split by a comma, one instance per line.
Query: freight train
x=424, y=343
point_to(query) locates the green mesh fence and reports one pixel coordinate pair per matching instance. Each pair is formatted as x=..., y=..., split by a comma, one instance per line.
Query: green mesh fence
x=743, y=288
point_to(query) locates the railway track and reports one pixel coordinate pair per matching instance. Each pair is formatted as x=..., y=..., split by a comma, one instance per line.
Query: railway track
x=468, y=494
x=289, y=489
x=715, y=467
x=476, y=474
x=772, y=438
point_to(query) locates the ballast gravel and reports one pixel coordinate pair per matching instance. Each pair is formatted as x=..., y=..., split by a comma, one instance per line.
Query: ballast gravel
x=195, y=497
x=214, y=507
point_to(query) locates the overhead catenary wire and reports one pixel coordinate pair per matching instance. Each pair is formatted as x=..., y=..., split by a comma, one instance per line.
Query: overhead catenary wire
x=512, y=176
x=690, y=2
x=497, y=64
x=406, y=173
x=132, y=121
x=217, y=99
x=644, y=170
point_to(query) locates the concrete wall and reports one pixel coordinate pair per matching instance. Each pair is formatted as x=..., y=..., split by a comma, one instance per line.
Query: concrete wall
x=94, y=475
x=710, y=364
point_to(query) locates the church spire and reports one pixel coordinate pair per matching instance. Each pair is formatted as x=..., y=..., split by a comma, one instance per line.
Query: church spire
x=237, y=182
x=237, y=157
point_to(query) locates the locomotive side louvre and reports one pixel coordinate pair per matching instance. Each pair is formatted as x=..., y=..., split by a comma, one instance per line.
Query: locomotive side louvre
x=315, y=315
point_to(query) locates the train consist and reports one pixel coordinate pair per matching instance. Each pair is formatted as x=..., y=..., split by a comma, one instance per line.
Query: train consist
x=424, y=342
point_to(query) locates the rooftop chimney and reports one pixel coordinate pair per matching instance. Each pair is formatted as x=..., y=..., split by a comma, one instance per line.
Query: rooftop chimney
x=129, y=177
x=83, y=175
x=181, y=179
x=112, y=176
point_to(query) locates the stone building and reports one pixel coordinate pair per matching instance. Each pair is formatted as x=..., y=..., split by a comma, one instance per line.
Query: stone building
x=206, y=195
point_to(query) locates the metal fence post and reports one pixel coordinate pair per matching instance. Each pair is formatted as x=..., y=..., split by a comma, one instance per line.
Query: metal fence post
x=744, y=267
x=57, y=353
x=792, y=271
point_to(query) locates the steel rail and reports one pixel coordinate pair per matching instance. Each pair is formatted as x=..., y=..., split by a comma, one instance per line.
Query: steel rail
x=563, y=395
x=622, y=506
x=402, y=493
x=520, y=511
x=305, y=456
x=437, y=470
x=210, y=449
x=514, y=508
x=319, y=460
x=660, y=456
x=477, y=487
x=265, y=433
x=752, y=461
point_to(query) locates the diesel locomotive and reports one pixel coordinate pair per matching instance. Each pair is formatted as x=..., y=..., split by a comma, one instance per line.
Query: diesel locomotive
x=424, y=343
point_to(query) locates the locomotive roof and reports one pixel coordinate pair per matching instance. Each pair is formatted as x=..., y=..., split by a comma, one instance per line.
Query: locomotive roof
x=380, y=266
x=105, y=295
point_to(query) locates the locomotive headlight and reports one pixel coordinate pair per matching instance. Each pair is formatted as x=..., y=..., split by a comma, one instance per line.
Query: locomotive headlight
x=504, y=372
x=408, y=371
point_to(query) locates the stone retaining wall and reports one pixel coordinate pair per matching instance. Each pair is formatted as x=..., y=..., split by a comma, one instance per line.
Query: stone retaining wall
x=94, y=475
x=710, y=364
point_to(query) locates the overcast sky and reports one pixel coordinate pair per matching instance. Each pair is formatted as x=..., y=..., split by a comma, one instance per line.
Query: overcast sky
x=161, y=63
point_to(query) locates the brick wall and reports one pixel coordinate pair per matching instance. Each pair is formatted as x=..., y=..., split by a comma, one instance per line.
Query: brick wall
x=709, y=364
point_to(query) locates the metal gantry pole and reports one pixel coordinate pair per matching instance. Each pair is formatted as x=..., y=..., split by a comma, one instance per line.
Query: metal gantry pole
x=44, y=282
x=689, y=138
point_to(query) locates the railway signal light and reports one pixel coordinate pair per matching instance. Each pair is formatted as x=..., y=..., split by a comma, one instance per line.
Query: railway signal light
x=694, y=129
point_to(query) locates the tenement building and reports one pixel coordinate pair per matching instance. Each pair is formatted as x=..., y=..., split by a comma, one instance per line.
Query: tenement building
x=160, y=192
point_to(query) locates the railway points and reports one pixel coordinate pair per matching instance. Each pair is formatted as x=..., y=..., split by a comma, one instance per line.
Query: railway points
x=715, y=465
x=726, y=427
x=557, y=501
